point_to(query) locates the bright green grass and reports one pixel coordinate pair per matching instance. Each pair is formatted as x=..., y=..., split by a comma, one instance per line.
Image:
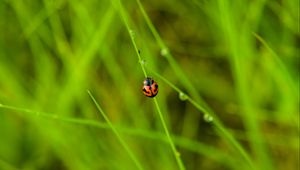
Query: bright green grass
x=227, y=73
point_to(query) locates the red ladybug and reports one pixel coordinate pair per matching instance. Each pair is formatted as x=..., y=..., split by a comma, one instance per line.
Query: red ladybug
x=150, y=87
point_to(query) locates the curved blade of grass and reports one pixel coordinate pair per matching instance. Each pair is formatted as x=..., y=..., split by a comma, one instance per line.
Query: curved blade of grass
x=277, y=68
x=278, y=61
x=123, y=143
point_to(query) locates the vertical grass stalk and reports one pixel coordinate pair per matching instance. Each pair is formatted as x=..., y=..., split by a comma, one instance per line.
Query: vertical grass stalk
x=176, y=153
x=127, y=24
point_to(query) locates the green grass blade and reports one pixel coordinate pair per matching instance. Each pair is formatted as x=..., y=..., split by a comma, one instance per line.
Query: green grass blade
x=219, y=126
x=176, y=153
x=121, y=140
x=127, y=24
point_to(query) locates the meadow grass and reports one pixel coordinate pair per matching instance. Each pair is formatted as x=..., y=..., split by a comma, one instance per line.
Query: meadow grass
x=227, y=73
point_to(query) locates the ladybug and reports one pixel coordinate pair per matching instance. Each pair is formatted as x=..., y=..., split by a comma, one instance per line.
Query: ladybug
x=150, y=87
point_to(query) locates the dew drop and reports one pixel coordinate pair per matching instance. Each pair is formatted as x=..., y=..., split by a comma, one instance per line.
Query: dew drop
x=183, y=96
x=208, y=118
x=132, y=33
x=164, y=51
x=143, y=62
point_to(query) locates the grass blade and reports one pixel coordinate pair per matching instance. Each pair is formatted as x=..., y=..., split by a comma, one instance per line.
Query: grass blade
x=121, y=140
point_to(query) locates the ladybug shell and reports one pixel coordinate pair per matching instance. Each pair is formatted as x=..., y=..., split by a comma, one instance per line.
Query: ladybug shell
x=150, y=88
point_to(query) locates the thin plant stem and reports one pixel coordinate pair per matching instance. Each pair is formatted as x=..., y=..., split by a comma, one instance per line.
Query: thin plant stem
x=218, y=124
x=123, y=143
x=176, y=153
x=130, y=31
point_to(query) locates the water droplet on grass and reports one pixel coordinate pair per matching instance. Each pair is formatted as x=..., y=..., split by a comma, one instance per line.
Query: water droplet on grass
x=183, y=96
x=164, y=51
x=208, y=118
x=132, y=33
x=143, y=62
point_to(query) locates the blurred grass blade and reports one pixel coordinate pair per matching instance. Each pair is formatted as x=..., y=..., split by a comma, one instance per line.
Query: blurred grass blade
x=121, y=140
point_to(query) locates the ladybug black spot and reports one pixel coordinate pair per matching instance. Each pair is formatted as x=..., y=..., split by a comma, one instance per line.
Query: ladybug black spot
x=146, y=92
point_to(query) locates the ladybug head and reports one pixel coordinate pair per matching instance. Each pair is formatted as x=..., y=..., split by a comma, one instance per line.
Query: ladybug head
x=148, y=81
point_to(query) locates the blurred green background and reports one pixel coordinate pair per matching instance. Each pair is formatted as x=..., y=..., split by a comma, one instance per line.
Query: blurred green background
x=239, y=60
